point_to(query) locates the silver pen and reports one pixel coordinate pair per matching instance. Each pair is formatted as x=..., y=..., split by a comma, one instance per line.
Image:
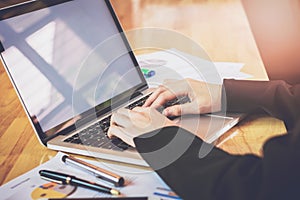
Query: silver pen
x=97, y=171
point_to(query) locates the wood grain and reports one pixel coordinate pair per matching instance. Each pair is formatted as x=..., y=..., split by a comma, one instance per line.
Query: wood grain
x=220, y=27
x=250, y=135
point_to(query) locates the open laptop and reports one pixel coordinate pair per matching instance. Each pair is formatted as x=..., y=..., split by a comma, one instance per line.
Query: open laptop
x=44, y=47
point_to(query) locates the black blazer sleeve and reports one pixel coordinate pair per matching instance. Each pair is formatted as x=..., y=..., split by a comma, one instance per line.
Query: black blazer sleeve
x=177, y=155
x=275, y=97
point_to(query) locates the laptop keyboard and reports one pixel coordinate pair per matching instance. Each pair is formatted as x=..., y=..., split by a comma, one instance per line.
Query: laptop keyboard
x=96, y=134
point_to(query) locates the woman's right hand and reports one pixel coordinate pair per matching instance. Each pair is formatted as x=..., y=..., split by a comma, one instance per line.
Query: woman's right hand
x=204, y=97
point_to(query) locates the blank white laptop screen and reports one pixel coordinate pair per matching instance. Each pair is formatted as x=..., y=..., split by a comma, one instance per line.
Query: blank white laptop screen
x=45, y=52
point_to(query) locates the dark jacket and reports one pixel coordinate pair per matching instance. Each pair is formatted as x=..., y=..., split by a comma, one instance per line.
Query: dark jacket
x=220, y=175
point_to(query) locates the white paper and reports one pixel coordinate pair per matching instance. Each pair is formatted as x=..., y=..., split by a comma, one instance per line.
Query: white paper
x=174, y=64
x=138, y=182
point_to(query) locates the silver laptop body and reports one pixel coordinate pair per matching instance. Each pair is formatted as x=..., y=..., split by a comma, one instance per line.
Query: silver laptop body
x=46, y=47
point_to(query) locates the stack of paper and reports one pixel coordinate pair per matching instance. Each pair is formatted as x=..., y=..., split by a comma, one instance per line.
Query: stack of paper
x=174, y=64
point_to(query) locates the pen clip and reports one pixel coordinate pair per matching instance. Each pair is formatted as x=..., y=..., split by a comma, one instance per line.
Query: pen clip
x=52, y=180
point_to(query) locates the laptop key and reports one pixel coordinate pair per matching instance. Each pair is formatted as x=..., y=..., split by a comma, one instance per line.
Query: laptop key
x=76, y=141
x=119, y=143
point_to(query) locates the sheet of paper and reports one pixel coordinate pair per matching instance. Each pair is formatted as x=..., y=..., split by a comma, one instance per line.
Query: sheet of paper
x=174, y=64
x=138, y=182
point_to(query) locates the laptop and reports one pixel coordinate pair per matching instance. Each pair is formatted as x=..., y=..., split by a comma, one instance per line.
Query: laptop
x=47, y=47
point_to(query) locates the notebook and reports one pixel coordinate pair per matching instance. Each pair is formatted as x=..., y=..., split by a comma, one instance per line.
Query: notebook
x=71, y=66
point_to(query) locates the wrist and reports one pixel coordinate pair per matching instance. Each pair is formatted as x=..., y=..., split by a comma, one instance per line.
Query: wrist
x=170, y=123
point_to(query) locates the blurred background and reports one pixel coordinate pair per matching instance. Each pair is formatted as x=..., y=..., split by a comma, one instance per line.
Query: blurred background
x=217, y=24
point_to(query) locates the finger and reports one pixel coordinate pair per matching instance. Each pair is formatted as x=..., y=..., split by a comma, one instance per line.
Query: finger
x=111, y=132
x=134, y=117
x=120, y=120
x=154, y=96
x=139, y=109
x=116, y=131
x=147, y=112
x=123, y=111
x=163, y=98
x=130, y=115
x=140, y=117
x=184, y=109
x=119, y=133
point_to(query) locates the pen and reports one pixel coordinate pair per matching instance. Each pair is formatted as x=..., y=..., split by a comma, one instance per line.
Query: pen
x=64, y=179
x=97, y=171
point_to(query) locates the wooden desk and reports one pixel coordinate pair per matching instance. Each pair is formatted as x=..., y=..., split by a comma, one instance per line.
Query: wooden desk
x=220, y=27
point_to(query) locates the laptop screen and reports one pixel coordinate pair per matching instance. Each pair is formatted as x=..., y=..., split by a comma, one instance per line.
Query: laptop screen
x=66, y=58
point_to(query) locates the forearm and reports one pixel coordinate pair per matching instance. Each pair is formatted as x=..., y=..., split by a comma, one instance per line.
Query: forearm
x=193, y=177
x=219, y=175
x=275, y=97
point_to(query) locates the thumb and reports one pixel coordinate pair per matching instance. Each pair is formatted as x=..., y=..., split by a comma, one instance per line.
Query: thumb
x=183, y=109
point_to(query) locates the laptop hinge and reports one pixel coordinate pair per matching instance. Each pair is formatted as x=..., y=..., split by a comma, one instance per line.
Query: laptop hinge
x=139, y=92
x=136, y=94
x=1, y=47
x=142, y=89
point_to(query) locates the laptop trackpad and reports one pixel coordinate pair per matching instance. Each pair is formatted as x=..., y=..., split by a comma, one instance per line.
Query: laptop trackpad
x=207, y=127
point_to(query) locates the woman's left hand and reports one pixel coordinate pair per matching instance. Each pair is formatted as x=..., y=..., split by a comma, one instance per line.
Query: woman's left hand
x=127, y=124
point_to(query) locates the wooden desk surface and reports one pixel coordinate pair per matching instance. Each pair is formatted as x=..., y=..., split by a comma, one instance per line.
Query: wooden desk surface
x=220, y=27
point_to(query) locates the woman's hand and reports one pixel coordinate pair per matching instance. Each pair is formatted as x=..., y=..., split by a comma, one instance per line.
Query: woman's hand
x=127, y=124
x=204, y=97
